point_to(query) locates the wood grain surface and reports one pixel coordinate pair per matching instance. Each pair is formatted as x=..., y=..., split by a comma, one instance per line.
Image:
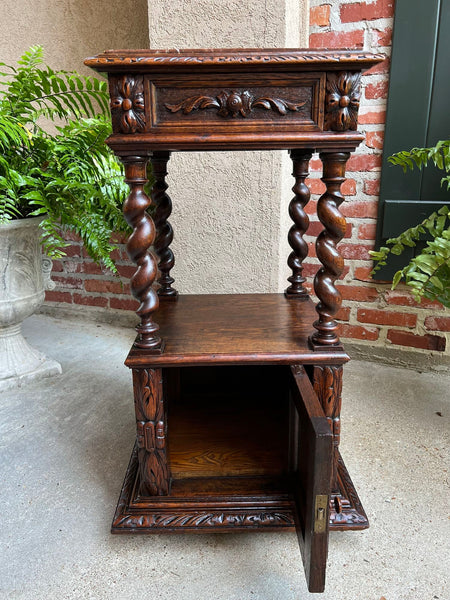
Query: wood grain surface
x=235, y=328
x=230, y=421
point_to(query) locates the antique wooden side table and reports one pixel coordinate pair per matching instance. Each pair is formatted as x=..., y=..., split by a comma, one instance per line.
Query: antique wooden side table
x=237, y=396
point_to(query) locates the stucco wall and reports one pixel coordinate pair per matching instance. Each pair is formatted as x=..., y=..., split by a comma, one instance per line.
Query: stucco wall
x=227, y=209
x=70, y=30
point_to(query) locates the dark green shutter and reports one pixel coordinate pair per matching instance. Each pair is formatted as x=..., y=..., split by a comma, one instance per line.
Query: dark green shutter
x=418, y=115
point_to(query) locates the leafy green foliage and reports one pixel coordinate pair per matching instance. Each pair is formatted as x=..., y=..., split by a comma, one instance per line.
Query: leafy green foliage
x=428, y=273
x=30, y=91
x=70, y=176
x=420, y=157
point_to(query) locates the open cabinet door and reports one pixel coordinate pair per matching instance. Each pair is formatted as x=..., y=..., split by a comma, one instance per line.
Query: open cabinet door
x=311, y=464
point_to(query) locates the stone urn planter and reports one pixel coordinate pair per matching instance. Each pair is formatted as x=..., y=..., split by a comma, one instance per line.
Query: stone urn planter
x=22, y=291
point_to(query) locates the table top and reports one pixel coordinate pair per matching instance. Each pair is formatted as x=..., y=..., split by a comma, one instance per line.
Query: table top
x=230, y=58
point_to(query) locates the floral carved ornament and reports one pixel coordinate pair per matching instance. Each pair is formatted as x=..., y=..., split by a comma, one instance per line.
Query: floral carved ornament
x=342, y=101
x=127, y=104
x=233, y=104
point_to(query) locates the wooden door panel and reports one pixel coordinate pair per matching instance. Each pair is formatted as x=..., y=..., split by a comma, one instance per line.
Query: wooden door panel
x=312, y=446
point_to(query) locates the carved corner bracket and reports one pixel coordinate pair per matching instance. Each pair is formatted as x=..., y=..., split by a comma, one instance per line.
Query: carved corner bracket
x=232, y=104
x=342, y=101
x=127, y=103
x=151, y=425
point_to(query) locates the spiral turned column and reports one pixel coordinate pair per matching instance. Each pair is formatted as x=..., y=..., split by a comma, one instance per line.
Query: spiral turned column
x=164, y=231
x=300, y=161
x=138, y=244
x=333, y=263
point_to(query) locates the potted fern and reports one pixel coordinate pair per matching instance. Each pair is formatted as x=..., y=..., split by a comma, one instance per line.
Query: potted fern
x=56, y=174
x=428, y=273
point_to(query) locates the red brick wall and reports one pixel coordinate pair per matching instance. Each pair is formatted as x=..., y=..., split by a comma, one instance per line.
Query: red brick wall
x=372, y=314
x=81, y=281
x=372, y=311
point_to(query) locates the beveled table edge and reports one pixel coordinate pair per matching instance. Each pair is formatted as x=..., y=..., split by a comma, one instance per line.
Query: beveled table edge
x=149, y=59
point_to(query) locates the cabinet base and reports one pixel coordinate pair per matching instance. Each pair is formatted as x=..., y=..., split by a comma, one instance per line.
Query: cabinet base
x=226, y=512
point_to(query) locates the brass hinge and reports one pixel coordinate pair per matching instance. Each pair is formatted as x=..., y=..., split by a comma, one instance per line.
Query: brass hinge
x=320, y=513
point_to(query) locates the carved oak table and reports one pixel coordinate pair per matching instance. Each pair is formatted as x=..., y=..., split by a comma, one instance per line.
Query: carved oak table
x=237, y=396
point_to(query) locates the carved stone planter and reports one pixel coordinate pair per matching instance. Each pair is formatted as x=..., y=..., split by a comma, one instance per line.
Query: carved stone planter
x=22, y=290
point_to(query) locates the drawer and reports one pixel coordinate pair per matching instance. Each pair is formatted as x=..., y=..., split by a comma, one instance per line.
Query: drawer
x=226, y=104
x=238, y=103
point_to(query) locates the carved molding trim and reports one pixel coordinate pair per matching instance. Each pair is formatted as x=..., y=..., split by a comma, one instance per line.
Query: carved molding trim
x=127, y=103
x=234, y=103
x=155, y=57
x=342, y=101
x=203, y=519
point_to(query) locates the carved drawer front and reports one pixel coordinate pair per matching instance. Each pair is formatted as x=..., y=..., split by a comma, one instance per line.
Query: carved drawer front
x=238, y=103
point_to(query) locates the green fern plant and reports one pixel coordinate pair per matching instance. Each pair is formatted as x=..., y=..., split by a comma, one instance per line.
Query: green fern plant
x=428, y=273
x=69, y=175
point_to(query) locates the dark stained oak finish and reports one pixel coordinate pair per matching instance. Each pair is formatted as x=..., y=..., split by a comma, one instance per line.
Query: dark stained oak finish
x=164, y=231
x=138, y=245
x=212, y=60
x=314, y=448
x=246, y=503
x=151, y=422
x=332, y=262
x=300, y=160
x=327, y=381
x=237, y=397
x=234, y=329
x=233, y=99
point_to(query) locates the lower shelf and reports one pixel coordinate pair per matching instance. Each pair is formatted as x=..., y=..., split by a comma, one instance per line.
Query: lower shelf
x=231, y=505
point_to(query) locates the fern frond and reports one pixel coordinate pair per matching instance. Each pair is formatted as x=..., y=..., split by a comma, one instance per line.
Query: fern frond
x=426, y=274
x=71, y=177
x=33, y=91
x=13, y=134
x=439, y=155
